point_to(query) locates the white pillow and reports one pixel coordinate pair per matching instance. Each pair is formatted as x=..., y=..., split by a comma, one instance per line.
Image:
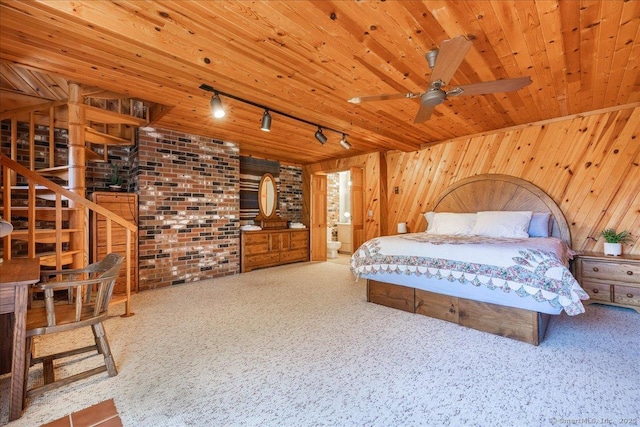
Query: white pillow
x=502, y=224
x=452, y=223
x=540, y=225
x=429, y=217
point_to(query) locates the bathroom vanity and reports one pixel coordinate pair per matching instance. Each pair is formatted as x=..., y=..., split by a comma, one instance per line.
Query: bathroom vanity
x=274, y=244
x=268, y=248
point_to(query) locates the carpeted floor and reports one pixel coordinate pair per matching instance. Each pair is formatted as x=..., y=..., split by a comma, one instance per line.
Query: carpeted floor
x=298, y=345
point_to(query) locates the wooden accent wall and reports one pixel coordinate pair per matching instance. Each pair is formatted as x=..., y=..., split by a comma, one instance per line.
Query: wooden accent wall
x=589, y=164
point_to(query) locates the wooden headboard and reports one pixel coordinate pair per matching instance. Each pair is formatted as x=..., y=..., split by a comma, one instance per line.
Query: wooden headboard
x=495, y=192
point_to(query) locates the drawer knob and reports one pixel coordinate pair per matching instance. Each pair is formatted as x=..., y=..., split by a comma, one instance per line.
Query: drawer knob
x=595, y=291
x=630, y=273
x=595, y=269
x=629, y=295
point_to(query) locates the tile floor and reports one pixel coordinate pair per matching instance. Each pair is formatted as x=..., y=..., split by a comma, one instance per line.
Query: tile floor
x=103, y=414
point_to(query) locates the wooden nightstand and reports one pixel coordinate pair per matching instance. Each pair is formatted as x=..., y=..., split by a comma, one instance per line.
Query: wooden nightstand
x=610, y=280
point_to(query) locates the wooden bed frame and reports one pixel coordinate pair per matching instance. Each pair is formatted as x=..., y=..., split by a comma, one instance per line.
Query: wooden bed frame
x=490, y=192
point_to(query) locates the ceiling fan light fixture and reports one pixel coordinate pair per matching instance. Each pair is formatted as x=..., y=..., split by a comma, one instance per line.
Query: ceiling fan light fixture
x=344, y=143
x=216, y=107
x=320, y=136
x=266, y=121
x=433, y=97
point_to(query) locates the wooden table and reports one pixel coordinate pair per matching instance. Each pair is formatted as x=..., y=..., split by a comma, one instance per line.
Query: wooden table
x=16, y=275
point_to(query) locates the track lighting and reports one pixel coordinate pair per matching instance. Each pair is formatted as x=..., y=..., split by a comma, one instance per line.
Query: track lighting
x=320, y=136
x=345, y=144
x=266, y=121
x=218, y=111
x=216, y=106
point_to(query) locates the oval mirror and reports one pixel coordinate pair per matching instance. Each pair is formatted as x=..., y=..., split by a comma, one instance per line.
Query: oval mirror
x=267, y=196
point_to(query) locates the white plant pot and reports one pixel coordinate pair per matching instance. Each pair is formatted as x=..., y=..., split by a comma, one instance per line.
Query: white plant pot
x=614, y=249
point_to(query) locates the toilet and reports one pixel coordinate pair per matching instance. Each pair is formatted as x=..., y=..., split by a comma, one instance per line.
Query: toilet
x=332, y=247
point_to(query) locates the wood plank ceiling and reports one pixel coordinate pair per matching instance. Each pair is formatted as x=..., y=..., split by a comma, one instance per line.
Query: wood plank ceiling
x=307, y=58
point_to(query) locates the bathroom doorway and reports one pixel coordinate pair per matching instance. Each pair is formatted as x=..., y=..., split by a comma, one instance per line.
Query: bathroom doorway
x=322, y=224
x=339, y=210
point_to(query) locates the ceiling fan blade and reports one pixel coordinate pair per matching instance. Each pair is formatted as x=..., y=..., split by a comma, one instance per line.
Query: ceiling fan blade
x=424, y=113
x=450, y=56
x=482, y=88
x=359, y=99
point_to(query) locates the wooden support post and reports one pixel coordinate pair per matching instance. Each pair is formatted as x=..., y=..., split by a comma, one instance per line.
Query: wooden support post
x=52, y=137
x=14, y=147
x=77, y=172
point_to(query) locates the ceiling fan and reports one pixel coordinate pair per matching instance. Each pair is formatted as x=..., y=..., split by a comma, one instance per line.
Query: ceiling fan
x=444, y=62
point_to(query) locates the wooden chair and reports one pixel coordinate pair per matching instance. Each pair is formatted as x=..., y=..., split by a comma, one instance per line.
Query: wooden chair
x=90, y=290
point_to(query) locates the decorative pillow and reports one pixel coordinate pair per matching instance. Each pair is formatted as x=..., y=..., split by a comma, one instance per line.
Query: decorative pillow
x=502, y=224
x=429, y=217
x=540, y=225
x=452, y=223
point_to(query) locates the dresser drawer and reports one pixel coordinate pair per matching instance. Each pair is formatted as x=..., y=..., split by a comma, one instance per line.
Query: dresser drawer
x=300, y=236
x=295, y=255
x=619, y=272
x=597, y=291
x=627, y=295
x=299, y=243
x=255, y=239
x=262, y=259
x=256, y=249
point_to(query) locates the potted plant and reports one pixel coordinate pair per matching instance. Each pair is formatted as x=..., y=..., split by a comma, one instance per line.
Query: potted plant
x=115, y=180
x=613, y=241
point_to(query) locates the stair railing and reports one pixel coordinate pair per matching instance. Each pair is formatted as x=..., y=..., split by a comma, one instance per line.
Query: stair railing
x=33, y=179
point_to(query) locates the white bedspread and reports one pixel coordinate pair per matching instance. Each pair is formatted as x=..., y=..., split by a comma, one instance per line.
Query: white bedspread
x=529, y=268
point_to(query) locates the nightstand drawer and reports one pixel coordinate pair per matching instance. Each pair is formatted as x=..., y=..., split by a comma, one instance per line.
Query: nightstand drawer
x=597, y=291
x=611, y=271
x=627, y=295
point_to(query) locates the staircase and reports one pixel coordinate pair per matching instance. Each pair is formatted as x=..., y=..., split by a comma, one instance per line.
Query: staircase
x=44, y=183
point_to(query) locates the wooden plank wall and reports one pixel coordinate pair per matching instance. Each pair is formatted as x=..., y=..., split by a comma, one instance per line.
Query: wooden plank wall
x=589, y=164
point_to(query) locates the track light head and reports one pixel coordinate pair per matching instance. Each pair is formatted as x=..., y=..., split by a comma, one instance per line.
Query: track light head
x=216, y=107
x=345, y=144
x=320, y=136
x=266, y=121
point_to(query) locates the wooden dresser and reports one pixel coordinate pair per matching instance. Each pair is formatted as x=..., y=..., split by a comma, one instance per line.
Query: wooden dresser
x=126, y=206
x=267, y=248
x=610, y=280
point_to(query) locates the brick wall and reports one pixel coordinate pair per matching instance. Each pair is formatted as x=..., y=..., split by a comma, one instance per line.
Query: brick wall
x=189, y=208
x=290, y=193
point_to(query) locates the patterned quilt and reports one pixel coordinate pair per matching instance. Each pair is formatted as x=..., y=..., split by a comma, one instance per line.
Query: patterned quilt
x=531, y=268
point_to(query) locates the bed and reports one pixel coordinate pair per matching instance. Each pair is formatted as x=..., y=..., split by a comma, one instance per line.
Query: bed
x=501, y=281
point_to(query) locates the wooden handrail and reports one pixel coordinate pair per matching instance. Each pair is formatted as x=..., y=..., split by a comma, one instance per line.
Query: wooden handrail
x=35, y=177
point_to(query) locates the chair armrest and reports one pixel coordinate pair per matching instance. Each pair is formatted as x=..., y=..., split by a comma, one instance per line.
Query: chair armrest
x=72, y=283
x=51, y=273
